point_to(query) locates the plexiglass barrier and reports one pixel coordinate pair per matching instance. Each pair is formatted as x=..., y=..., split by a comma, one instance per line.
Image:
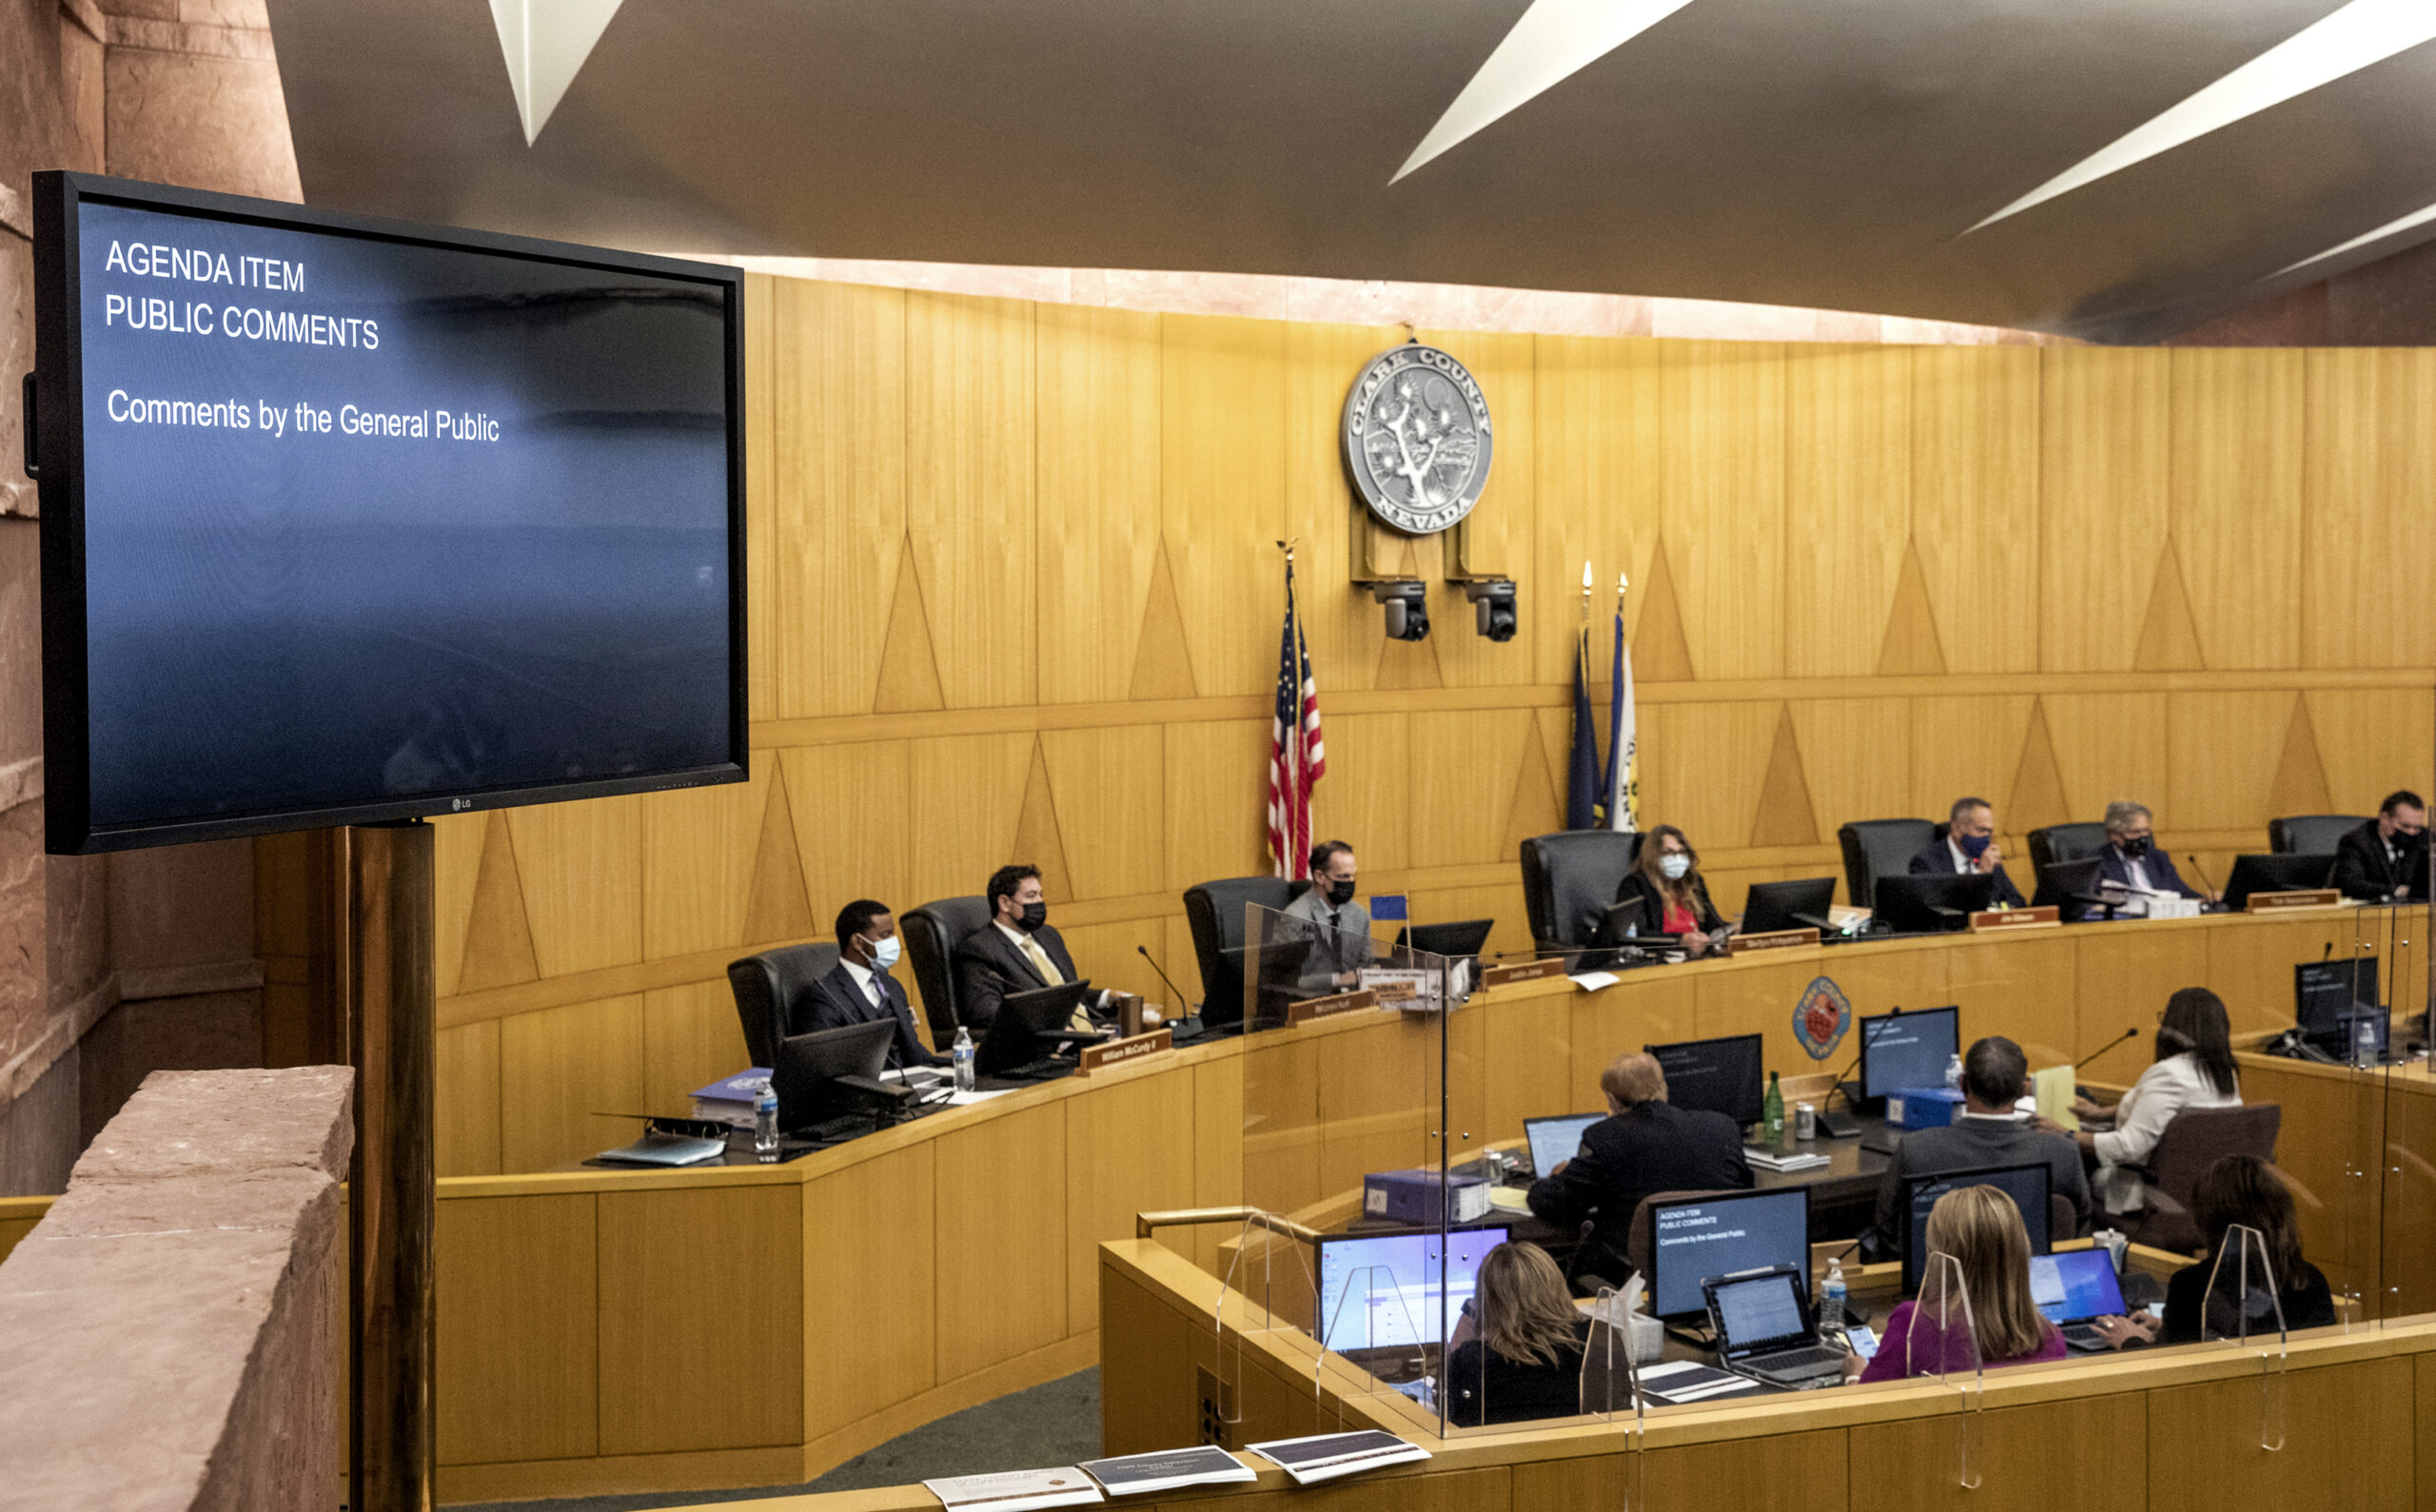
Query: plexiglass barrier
x=1942, y=1341
x=1394, y=1121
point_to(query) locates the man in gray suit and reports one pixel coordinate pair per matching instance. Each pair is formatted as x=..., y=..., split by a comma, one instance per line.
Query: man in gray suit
x=1988, y=1133
x=1340, y=943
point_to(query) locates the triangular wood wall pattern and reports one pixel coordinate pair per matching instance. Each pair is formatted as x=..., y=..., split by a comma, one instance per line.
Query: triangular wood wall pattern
x=1912, y=647
x=1023, y=594
x=909, y=667
x=1162, y=657
x=2169, y=640
x=778, y=906
x=499, y=939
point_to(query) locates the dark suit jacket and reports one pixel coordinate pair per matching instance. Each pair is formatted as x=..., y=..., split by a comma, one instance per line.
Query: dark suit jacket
x=988, y=968
x=2361, y=869
x=837, y=1000
x=1970, y=1143
x=1652, y=906
x=2112, y=868
x=1656, y=1146
x=1938, y=861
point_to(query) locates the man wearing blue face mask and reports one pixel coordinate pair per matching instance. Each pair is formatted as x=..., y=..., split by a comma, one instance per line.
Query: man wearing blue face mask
x=1970, y=845
x=860, y=990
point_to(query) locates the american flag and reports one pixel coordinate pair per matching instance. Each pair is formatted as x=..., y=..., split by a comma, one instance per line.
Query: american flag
x=1297, y=759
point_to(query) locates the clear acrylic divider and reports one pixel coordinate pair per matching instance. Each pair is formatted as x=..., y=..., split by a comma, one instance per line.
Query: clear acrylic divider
x=1267, y=1299
x=1611, y=1384
x=1343, y=1120
x=2244, y=1308
x=1942, y=1343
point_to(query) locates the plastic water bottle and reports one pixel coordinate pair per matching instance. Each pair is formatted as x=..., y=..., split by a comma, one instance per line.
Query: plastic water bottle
x=1954, y=1073
x=1832, y=1292
x=765, y=1123
x=963, y=1052
x=2364, y=1043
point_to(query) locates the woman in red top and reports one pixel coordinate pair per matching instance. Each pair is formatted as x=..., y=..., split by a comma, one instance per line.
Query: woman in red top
x=1674, y=899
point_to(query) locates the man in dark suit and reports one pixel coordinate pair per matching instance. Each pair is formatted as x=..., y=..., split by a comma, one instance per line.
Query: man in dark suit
x=860, y=990
x=1995, y=1074
x=2133, y=860
x=1646, y=1144
x=2386, y=858
x=1016, y=951
x=1970, y=845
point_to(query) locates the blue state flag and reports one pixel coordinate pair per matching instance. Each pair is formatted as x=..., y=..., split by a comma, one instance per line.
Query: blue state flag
x=1582, y=777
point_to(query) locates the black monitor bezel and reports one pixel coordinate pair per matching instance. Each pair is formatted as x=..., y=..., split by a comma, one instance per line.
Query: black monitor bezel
x=1658, y=1270
x=1915, y=889
x=58, y=442
x=1774, y=890
x=1908, y=1186
x=2250, y=867
x=1759, y=1063
x=1863, y=1030
x=870, y=1040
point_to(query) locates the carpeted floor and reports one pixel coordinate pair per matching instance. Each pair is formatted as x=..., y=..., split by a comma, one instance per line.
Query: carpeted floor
x=1056, y=1423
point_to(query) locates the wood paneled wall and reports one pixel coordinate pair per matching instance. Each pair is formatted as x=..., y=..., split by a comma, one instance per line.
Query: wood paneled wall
x=1014, y=594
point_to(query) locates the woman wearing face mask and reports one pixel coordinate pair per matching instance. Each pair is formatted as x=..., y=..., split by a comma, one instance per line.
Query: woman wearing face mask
x=2195, y=1069
x=1674, y=899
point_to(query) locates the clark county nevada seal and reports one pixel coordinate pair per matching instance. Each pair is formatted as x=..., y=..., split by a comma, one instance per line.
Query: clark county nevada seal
x=1417, y=438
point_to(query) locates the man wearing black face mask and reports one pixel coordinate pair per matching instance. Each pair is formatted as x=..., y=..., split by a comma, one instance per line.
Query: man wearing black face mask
x=1970, y=846
x=2134, y=861
x=1018, y=950
x=1341, y=944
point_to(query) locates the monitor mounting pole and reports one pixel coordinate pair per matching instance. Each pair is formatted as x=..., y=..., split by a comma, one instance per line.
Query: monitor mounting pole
x=389, y=993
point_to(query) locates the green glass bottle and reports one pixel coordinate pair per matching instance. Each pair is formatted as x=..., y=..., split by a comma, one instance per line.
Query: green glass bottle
x=1772, y=1112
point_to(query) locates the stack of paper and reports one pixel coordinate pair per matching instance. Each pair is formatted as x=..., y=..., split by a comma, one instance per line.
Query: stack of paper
x=1017, y=1490
x=1327, y=1456
x=1771, y=1158
x=2054, y=1088
x=1680, y=1381
x=1166, y=1469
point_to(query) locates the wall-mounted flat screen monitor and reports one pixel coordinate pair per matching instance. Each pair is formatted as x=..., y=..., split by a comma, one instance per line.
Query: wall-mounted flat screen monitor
x=347, y=521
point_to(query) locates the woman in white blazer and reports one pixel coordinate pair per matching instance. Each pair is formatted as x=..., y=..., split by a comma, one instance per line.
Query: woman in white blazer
x=2195, y=1069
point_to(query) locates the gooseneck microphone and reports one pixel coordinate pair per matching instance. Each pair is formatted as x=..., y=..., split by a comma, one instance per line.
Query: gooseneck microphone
x=1182, y=1007
x=2106, y=1046
x=2204, y=879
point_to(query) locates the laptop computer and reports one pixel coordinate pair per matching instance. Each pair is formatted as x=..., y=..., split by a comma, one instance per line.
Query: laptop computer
x=1765, y=1331
x=1554, y=1141
x=2073, y=1288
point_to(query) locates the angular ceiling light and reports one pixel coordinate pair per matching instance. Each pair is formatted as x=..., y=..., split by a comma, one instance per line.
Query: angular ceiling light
x=545, y=43
x=2344, y=41
x=1554, y=40
x=2402, y=223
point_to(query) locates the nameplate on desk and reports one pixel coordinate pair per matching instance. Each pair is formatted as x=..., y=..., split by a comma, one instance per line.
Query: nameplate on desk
x=1537, y=970
x=2316, y=897
x=1311, y=1008
x=1772, y=940
x=1110, y=1052
x=1996, y=921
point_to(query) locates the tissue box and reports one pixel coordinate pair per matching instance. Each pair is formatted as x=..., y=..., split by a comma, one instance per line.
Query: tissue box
x=1644, y=1336
x=1923, y=1107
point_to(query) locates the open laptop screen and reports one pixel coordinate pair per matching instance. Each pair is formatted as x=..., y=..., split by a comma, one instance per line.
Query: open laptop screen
x=1555, y=1140
x=2074, y=1286
x=1763, y=1312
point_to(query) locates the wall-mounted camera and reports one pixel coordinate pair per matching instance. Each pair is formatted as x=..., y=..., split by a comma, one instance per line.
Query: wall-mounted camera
x=1407, y=607
x=1493, y=613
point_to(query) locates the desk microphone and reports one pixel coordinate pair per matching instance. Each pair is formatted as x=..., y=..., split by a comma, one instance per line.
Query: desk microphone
x=1181, y=1004
x=2128, y=1033
x=2204, y=880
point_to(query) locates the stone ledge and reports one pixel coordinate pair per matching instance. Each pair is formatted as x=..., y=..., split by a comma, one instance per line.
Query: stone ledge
x=88, y=16
x=189, y=981
x=15, y=214
x=173, y=37
x=226, y=1122
x=113, y=1208
x=20, y=782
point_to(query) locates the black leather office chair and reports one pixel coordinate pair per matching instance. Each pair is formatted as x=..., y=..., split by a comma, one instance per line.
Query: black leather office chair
x=1875, y=848
x=2063, y=842
x=931, y=933
x=767, y=988
x=2311, y=834
x=1568, y=878
x=1215, y=913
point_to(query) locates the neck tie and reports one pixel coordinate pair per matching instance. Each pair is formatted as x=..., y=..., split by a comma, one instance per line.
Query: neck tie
x=1040, y=962
x=879, y=993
